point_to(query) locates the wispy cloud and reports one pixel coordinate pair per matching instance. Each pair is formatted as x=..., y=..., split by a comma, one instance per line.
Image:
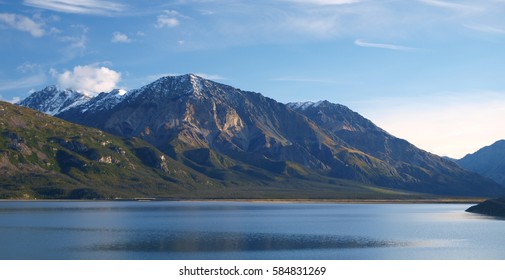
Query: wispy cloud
x=23, y=23
x=365, y=44
x=486, y=28
x=118, y=37
x=324, y=2
x=91, y=7
x=28, y=67
x=13, y=100
x=28, y=82
x=78, y=39
x=167, y=19
x=452, y=6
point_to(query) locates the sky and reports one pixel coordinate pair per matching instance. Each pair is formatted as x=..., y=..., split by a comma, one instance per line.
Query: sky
x=428, y=71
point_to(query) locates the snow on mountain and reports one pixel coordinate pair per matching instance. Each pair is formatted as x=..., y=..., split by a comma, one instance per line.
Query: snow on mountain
x=105, y=100
x=54, y=101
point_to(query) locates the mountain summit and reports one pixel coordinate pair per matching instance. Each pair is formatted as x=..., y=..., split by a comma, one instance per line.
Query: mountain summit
x=219, y=130
x=53, y=100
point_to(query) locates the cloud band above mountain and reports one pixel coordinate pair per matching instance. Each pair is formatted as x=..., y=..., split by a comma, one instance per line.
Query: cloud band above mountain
x=88, y=79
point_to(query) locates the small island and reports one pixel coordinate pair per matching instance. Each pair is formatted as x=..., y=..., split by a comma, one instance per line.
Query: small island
x=491, y=207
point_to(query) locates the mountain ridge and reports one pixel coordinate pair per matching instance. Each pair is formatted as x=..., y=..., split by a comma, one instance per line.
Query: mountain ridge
x=488, y=161
x=192, y=119
x=43, y=157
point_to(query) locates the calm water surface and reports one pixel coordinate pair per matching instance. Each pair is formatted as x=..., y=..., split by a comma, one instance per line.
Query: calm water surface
x=236, y=230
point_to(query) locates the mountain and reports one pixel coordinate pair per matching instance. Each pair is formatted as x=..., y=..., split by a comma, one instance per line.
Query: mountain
x=488, y=161
x=224, y=133
x=179, y=114
x=46, y=157
x=402, y=163
x=53, y=100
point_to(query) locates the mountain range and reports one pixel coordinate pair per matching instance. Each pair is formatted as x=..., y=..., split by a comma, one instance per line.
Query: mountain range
x=258, y=147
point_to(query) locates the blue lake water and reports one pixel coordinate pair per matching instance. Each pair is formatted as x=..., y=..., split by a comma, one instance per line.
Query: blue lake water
x=243, y=230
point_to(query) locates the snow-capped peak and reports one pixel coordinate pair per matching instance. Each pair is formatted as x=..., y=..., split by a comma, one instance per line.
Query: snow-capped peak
x=105, y=100
x=53, y=100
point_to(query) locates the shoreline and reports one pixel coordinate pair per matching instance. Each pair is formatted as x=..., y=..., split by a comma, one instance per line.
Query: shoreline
x=273, y=200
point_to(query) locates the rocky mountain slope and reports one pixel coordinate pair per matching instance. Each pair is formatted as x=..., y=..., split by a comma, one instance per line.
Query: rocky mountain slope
x=405, y=163
x=46, y=157
x=488, y=161
x=217, y=130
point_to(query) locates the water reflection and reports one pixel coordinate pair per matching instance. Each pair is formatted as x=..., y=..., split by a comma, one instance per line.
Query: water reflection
x=229, y=230
x=229, y=241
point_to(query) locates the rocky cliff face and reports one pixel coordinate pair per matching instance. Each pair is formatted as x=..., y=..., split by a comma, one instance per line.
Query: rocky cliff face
x=189, y=112
x=213, y=128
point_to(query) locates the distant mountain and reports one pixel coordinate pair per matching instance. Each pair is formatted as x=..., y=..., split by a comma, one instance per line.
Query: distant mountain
x=405, y=164
x=488, y=161
x=219, y=130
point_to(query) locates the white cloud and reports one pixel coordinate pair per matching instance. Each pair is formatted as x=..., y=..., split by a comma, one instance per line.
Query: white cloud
x=169, y=18
x=92, y=7
x=166, y=21
x=118, y=37
x=14, y=100
x=486, y=28
x=23, y=23
x=451, y=124
x=27, y=67
x=365, y=44
x=88, y=79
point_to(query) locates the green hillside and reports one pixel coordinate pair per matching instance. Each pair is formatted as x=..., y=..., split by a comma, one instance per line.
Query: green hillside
x=43, y=157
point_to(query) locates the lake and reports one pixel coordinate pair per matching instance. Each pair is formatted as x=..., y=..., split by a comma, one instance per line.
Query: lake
x=245, y=230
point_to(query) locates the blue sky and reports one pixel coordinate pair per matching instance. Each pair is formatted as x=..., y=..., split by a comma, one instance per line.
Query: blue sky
x=429, y=71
